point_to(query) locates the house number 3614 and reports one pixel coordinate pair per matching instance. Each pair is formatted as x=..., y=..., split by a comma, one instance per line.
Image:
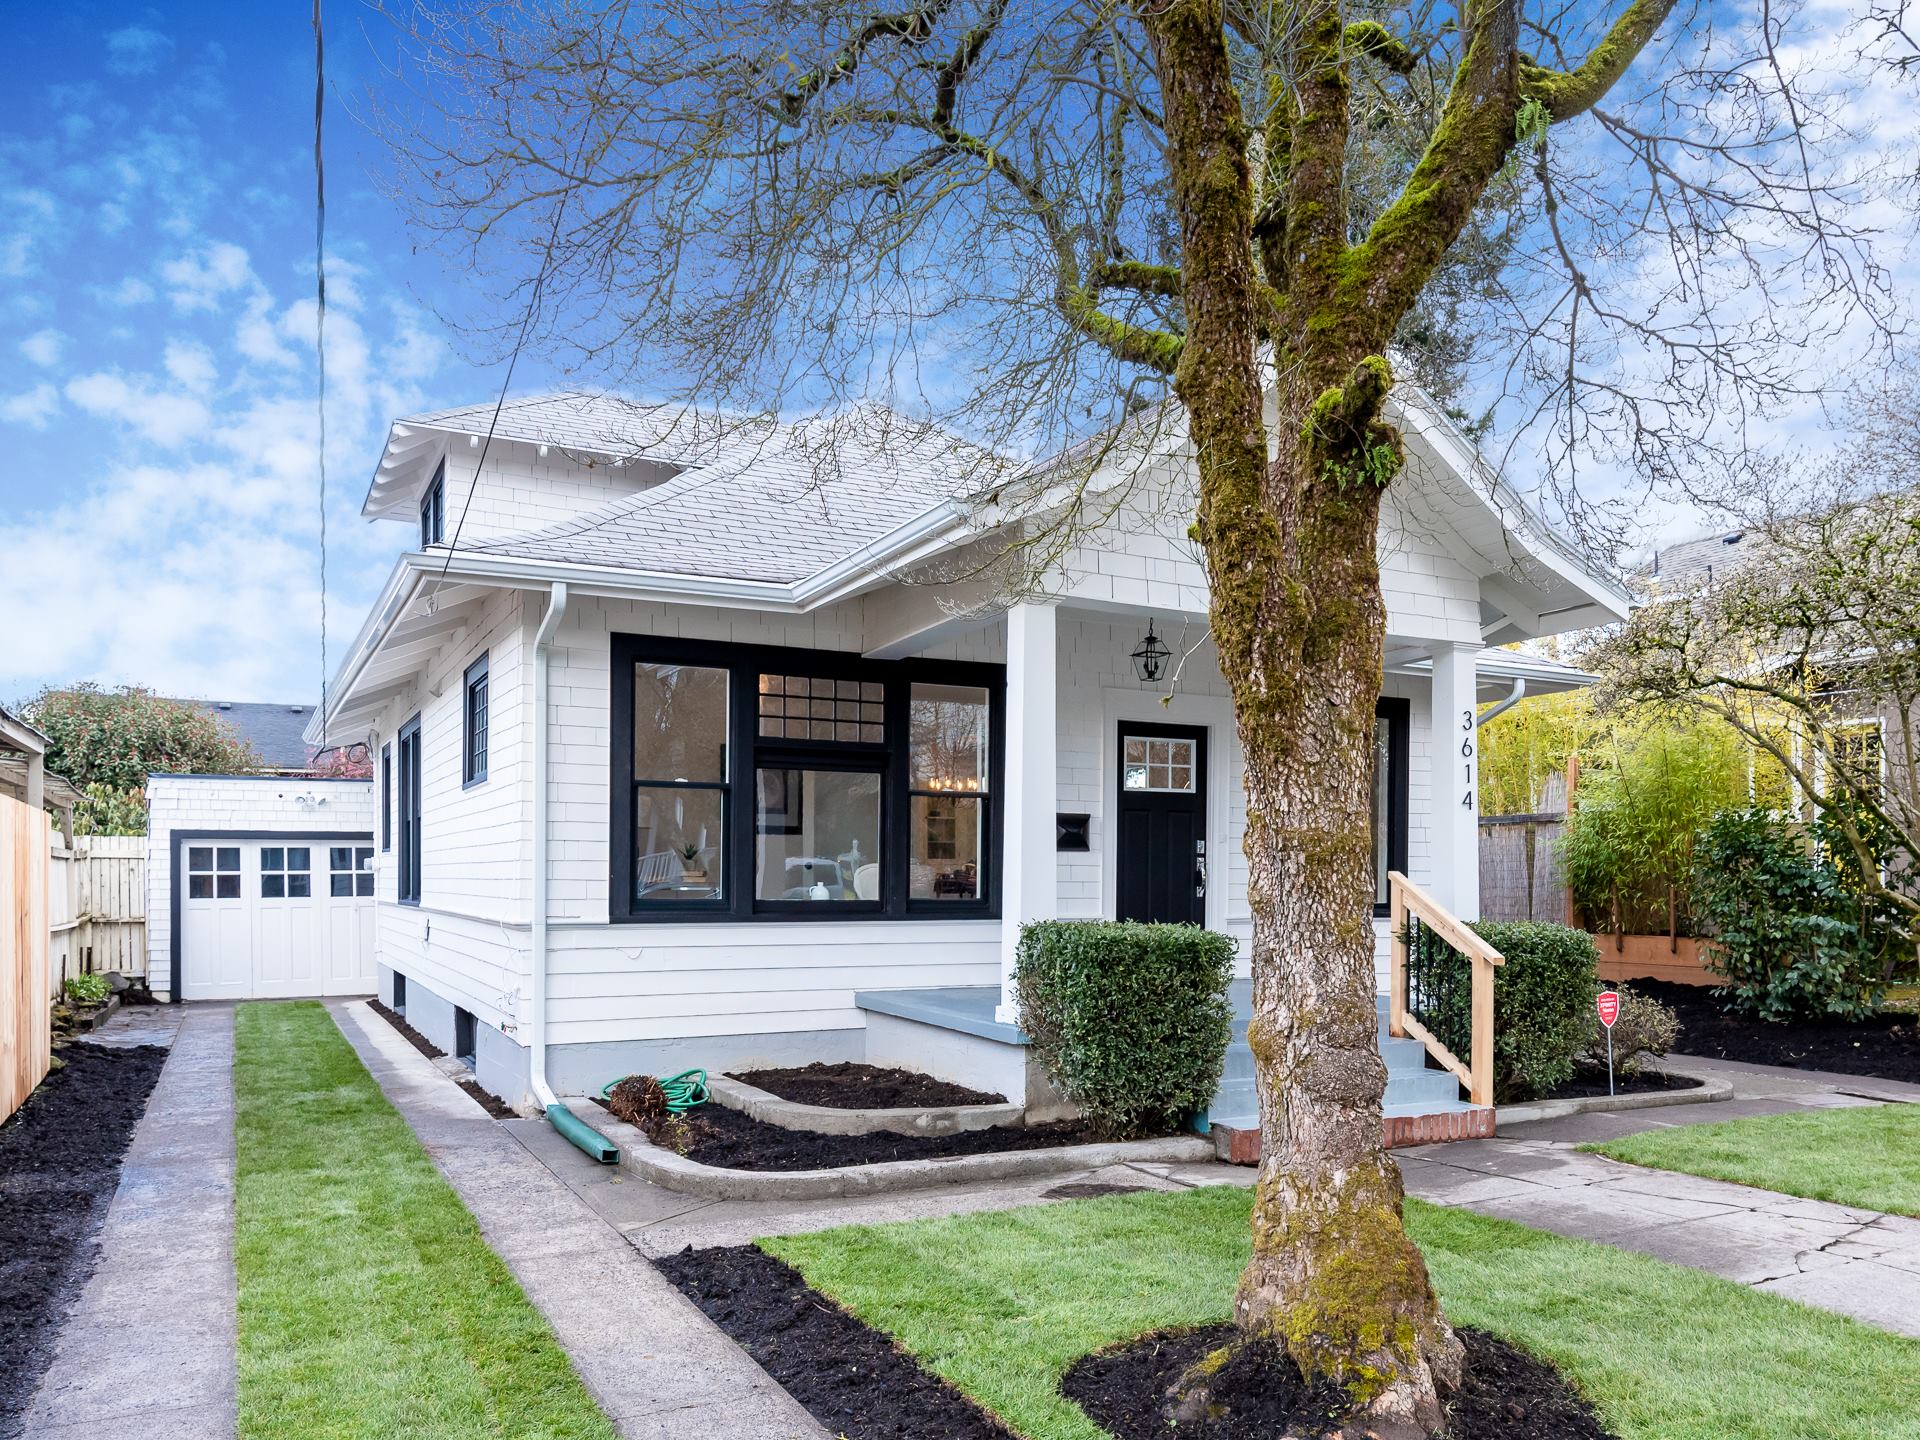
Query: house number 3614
x=1466, y=754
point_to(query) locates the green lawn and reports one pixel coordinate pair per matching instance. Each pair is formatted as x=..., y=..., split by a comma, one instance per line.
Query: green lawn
x=1001, y=1303
x=370, y=1306
x=1864, y=1155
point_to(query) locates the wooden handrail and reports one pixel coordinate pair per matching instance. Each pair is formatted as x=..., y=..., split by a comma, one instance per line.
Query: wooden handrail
x=1405, y=898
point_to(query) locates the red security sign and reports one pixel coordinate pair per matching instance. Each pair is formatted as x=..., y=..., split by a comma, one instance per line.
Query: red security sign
x=1608, y=1004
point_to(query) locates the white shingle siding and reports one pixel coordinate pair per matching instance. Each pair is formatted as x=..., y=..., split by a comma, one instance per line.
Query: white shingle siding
x=236, y=804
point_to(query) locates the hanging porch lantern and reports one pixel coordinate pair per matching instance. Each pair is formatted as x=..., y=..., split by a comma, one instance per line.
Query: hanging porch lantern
x=1150, y=660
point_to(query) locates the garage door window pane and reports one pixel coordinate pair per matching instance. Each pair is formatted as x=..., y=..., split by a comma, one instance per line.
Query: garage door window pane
x=273, y=887
x=300, y=859
x=199, y=887
x=227, y=887
x=299, y=886
x=273, y=858
x=200, y=857
x=229, y=856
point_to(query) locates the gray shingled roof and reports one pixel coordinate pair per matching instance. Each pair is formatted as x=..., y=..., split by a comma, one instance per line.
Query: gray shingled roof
x=777, y=507
x=1692, y=561
x=601, y=423
x=276, y=732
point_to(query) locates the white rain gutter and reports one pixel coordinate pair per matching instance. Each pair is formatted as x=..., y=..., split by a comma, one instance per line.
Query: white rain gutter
x=542, y=640
x=558, y=1115
x=1514, y=697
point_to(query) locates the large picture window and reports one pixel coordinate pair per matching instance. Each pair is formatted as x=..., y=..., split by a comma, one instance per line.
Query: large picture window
x=795, y=784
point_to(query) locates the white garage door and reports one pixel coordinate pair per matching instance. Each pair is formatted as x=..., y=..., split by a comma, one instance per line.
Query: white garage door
x=261, y=919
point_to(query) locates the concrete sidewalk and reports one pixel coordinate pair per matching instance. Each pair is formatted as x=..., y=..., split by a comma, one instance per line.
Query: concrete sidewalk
x=658, y=1367
x=1856, y=1262
x=165, y=1274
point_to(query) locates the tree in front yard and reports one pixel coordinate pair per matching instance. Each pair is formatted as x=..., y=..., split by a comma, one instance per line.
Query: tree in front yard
x=107, y=741
x=1027, y=218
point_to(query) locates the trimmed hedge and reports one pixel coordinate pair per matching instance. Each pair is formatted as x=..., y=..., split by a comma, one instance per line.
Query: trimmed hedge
x=1130, y=1021
x=1542, y=997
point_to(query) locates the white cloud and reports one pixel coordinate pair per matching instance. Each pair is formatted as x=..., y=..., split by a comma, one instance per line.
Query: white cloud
x=190, y=364
x=130, y=291
x=258, y=336
x=30, y=215
x=201, y=280
x=43, y=347
x=166, y=419
x=33, y=409
x=137, y=50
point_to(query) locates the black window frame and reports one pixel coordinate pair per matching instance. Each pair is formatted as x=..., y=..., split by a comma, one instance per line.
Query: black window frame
x=1398, y=711
x=433, y=508
x=474, y=728
x=386, y=798
x=407, y=882
x=748, y=753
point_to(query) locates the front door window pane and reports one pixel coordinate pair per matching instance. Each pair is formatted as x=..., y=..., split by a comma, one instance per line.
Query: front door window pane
x=678, y=843
x=1157, y=763
x=817, y=835
x=946, y=843
x=679, y=723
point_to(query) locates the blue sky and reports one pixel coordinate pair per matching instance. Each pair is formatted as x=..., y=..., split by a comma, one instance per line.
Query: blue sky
x=160, y=521
x=159, y=516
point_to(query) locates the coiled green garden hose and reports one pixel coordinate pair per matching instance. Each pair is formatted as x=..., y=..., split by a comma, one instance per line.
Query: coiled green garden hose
x=683, y=1091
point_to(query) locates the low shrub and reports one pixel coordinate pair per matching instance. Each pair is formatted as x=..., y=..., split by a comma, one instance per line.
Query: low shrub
x=1645, y=1030
x=1542, y=996
x=87, y=989
x=1792, y=939
x=1130, y=1021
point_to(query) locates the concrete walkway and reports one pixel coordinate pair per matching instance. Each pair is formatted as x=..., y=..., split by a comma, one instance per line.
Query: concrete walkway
x=657, y=1366
x=148, y=1348
x=1856, y=1262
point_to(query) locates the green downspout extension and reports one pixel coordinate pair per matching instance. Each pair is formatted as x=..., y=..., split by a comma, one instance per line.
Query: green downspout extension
x=582, y=1134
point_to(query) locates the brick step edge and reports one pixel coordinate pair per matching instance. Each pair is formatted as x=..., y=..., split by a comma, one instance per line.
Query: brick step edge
x=1242, y=1147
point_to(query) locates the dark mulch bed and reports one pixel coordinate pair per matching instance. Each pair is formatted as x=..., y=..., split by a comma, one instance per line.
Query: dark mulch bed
x=1588, y=1081
x=1887, y=1047
x=857, y=1383
x=849, y=1376
x=488, y=1101
x=485, y=1099
x=739, y=1142
x=59, y=1166
x=853, y=1086
x=1507, y=1394
x=399, y=1022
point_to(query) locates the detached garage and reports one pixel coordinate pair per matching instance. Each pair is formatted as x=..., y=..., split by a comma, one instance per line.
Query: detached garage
x=259, y=886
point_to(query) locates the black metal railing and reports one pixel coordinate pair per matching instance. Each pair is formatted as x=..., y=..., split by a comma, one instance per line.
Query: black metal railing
x=1439, y=987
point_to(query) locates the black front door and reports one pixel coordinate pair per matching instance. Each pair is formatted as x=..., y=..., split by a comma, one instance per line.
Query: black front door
x=1162, y=860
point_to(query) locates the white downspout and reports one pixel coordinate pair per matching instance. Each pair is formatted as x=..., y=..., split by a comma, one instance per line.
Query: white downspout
x=1514, y=697
x=543, y=638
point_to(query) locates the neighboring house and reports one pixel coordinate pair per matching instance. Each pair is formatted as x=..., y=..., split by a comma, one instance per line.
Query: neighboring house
x=277, y=734
x=1866, y=728
x=686, y=755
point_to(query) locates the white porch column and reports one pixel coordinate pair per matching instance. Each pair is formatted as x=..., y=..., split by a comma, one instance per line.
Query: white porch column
x=1029, y=883
x=1455, y=833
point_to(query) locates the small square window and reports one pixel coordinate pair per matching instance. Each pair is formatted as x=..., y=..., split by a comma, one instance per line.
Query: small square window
x=300, y=887
x=227, y=887
x=273, y=887
x=273, y=858
x=300, y=859
x=228, y=858
x=340, y=857
x=200, y=857
x=363, y=883
x=340, y=885
x=200, y=887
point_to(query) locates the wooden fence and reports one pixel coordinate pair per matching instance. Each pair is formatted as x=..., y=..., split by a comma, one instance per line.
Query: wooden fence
x=26, y=1020
x=1521, y=877
x=99, y=907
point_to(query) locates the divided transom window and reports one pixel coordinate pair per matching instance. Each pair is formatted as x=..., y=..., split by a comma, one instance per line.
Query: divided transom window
x=797, y=784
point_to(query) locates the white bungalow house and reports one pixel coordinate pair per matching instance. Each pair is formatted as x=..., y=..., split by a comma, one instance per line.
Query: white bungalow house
x=687, y=756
